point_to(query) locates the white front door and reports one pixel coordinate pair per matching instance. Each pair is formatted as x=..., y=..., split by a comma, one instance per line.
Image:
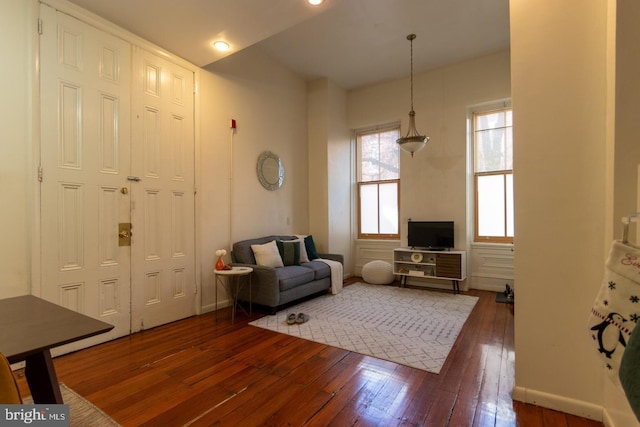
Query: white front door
x=117, y=146
x=85, y=160
x=163, y=212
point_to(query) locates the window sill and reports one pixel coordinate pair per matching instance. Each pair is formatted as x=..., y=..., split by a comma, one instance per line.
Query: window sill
x=378, y=241
x=492, y=245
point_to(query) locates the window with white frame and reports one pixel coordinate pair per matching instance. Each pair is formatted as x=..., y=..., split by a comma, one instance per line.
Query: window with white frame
x=378, y=176
x=493, y=175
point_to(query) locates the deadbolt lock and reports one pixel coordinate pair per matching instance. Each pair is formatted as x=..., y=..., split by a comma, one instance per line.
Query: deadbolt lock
x=124, y=234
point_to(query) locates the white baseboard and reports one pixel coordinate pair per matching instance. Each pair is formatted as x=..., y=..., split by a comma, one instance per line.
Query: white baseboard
x=606, y=419
x=490, y=288
x=212, y=307
x=490, y=284
x=208, y=308
x=559, y=403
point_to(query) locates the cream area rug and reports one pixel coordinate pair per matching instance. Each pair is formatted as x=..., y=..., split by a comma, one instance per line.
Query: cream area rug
x=82, y=413
x=413, y=327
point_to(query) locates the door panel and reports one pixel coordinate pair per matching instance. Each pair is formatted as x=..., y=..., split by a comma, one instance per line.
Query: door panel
x=117, y=146
x=85, y=159
x=163, y=246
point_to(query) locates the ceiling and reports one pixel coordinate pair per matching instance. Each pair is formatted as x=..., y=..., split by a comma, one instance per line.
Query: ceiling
x=354, y=43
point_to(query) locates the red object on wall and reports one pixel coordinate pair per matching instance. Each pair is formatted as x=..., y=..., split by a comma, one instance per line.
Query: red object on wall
x=233, y=123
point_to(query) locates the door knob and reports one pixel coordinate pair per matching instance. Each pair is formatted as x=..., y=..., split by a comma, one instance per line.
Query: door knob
x=124, y=234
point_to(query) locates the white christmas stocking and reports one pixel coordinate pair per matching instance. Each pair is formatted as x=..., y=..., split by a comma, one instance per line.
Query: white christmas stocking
x=616, y=310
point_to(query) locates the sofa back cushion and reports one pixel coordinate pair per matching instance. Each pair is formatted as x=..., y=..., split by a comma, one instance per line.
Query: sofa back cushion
x=289, y=251
x=267, y=254
x=310, y=245
x=242, y=252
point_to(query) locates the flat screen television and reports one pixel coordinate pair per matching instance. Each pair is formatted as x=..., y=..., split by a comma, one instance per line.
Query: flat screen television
x=435, y=235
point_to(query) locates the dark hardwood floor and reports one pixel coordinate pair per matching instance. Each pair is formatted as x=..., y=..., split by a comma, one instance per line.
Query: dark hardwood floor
x=203, y=373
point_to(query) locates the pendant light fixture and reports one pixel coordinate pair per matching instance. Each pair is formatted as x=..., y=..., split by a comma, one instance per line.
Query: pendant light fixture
x=413, y=141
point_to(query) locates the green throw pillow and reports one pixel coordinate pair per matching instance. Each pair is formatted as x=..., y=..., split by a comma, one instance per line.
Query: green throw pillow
x=289, y=252
x=311, y=248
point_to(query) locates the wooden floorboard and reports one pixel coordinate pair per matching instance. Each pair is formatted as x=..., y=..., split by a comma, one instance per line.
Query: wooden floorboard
x=203, y=372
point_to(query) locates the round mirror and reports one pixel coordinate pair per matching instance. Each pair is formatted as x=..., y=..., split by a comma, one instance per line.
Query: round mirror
x=270, y=170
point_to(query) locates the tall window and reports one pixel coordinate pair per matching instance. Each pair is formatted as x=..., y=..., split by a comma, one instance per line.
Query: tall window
x=493, y=175
x=378, y=170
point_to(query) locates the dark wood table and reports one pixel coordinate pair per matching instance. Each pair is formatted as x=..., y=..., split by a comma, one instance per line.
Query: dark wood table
x=30, y=327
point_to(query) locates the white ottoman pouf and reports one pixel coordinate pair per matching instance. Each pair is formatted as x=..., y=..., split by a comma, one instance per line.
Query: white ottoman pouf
x=378, y=273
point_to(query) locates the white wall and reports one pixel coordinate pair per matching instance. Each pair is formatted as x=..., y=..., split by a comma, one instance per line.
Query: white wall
x=491, y=267
x=317, y=137
x=269, y=104
x=559, y=92
x=627, y=126
x=625, y=194
x=17, y=174
x=330, y=169
x=433, y=184
x=340, y=173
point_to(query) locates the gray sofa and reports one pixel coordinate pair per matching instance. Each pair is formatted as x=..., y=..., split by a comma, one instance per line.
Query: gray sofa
x=277, y=288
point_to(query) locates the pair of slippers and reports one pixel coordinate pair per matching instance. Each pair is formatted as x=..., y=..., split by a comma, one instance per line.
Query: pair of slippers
x=297, y=318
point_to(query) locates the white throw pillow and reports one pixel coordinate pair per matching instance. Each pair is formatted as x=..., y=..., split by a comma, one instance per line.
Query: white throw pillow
x=303, y=249
x=267, y=254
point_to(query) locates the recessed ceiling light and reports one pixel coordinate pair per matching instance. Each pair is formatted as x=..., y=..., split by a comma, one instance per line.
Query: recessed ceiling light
x=221, y=45
x=315, y=2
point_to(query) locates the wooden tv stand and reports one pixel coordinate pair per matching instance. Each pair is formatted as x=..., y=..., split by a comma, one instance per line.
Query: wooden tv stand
x=444, y=265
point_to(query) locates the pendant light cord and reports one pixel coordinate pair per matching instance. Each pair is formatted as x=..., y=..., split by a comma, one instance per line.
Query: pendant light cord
x=411, y=37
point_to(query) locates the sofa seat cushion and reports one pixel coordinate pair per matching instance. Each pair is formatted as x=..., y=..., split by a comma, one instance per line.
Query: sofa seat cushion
x=292, y=276
x=320, y=269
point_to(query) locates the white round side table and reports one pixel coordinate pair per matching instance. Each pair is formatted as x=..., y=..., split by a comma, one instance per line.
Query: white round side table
x=233, y=276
